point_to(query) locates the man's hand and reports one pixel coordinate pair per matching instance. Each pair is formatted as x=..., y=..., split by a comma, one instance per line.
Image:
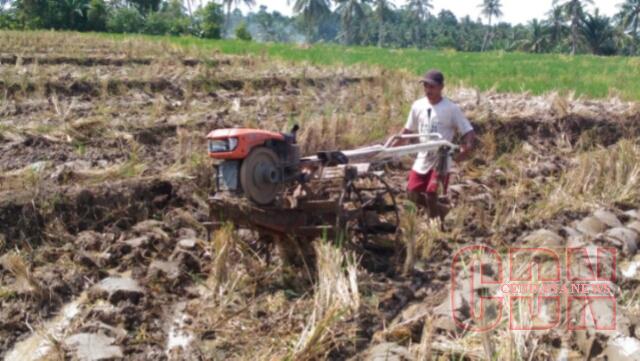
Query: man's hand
x=467, y=147
x=398, y=142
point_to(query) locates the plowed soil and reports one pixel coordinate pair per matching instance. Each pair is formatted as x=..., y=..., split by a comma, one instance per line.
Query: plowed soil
x=104, y=182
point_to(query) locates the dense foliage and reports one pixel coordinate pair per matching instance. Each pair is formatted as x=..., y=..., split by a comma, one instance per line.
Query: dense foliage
x=157, y=17
x=568, y=27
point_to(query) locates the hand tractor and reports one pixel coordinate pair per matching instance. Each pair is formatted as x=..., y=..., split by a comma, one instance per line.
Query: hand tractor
x=262, y=183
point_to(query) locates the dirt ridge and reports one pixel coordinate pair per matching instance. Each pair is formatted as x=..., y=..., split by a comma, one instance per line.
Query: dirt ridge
x=88, y=88
x=24, y=217
x=94, y=61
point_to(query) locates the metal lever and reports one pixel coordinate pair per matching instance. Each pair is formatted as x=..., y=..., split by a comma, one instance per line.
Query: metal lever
x=435, y=136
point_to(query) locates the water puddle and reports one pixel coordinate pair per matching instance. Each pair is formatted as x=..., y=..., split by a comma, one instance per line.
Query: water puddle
x=631, y=270
x=40, y=343
x=623, y=348
x=178, y=336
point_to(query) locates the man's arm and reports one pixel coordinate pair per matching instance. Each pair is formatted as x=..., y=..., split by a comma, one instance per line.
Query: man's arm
x=399, y=141
x=410, y=127
x=465, y=128
x=467, y=146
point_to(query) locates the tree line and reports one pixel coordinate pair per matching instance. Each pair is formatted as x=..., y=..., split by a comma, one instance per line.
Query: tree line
x=568, y=27
x=156, y=17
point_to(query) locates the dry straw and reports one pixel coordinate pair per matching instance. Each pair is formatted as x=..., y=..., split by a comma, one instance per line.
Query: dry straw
x=336, y=298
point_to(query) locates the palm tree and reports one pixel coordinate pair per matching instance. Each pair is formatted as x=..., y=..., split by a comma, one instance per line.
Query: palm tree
x=630, y=19
x=74, y=9
x=312, y=11
x=231, y=3
x=555, y=22
x=573, y=10
x=598, y=34
x=537, y=40
x=351, y=11
x=382, y=12
x=490, y=8
x=420, y=11
x=145, y=6
x=421, y=8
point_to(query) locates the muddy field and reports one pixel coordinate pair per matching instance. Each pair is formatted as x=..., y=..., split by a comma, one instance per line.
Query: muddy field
x=104, y=182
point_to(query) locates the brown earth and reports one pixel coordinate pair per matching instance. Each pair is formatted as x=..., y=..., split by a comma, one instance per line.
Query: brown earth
x=103, y=189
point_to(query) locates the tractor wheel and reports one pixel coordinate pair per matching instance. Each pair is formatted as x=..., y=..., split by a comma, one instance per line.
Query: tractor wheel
x=260, y=176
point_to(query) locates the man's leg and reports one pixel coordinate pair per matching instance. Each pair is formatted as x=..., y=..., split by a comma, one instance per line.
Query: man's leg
x=435, y=207
x=416, y=188
x=418, y=198
x=423, y=191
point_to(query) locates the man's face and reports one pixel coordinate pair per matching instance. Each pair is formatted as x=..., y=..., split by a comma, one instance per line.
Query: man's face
x=432, y=91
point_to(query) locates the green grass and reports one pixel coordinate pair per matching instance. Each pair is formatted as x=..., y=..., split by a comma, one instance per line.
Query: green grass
x=586, y=75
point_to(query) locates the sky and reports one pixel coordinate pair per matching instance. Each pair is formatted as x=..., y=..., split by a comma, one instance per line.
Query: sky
x=515, y=11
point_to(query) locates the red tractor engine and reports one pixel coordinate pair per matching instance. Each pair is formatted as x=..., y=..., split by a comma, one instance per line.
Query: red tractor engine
x=254, y=162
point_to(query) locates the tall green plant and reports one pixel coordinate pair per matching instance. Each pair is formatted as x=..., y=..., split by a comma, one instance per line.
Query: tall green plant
x=420, y=11
x=351, y=12
x=210, y=20
x=598, y=34
x=231, y=3
x=630, y=20
x=556, y=23
x=312, y=12
x=537, y=41
x=382, y=12
x=97, y=15
x=490, y=9
x=574, y=12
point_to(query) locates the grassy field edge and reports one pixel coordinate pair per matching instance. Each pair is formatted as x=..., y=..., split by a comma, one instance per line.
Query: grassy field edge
x=584, y=75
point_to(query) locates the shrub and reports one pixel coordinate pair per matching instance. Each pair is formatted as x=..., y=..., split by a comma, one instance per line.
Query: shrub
x=145, y=6
x=97, y=15
x=163, y=23
x=157, y=23
x=171, y=19
x=209, y=20
x=8, y=20
x=125, y=20
x=243, y=33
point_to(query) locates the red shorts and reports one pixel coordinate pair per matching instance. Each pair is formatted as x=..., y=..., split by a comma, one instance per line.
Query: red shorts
x=427, y=183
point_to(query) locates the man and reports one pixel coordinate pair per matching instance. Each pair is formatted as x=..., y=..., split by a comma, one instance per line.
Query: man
x=435, y=114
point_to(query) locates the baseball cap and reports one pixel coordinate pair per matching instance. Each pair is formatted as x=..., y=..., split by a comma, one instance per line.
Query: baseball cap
x=433, y=77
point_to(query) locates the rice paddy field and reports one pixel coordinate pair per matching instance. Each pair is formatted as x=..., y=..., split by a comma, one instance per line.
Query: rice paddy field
x=104, y=182
x=591, y=76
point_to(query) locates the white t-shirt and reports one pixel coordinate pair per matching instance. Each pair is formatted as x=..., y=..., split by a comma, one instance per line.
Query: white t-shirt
x=444, y=118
